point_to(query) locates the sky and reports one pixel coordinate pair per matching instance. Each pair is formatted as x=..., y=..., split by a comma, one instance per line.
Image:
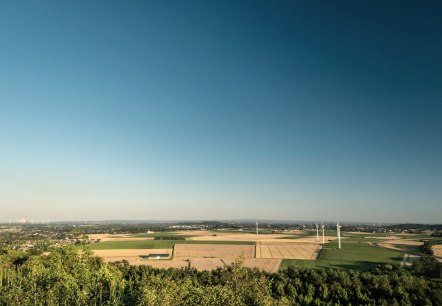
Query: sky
x=160, y=110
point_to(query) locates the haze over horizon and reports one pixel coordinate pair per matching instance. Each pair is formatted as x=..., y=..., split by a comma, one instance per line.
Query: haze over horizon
x=221, y=110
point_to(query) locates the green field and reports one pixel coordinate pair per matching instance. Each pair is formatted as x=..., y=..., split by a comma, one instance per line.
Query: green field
x=261, y=231
x=158, y=234
x=155, y=244
x=312, y=233
x=356, y=254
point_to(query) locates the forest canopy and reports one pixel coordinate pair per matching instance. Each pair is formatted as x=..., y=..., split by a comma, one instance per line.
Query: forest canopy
x=68, y=276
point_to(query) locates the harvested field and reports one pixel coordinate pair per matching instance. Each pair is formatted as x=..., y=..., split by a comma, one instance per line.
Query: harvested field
x=403, y=245
x=213, y=251
x=286, y=250
x=269, y=265
x=237, y=237
x=382, y=237
x=118, y=237
x=205, y=264
x=265, y=264
x=255, y=238
x=437, y=249
x=133, y=256
x=165, y=264
x=404, y=242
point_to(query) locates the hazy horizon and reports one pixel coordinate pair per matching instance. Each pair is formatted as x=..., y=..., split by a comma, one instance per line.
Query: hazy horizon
x=221, y=110
x=197, y=221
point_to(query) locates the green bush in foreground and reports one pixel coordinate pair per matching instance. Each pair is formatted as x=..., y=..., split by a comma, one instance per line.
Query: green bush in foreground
x=67, y=276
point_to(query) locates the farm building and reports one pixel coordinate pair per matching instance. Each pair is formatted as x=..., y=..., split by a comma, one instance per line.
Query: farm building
x=157, y=256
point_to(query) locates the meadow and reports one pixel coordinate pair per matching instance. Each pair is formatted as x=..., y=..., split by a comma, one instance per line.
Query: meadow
x=357, y=253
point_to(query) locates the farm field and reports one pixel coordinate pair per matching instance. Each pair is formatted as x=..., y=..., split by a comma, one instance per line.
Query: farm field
x=202, y=250
x=120, y=237
x=356, y=253
x=205, y=250
x=357, y=249
x=159, y=235
x=270, y=265
x=154, y=244
x=213, y=251
x=405, y=245
x=133, y=256
x=205, y=264
x=286, y=250
x=437, y=249
x=164, y=264
x=132, y=244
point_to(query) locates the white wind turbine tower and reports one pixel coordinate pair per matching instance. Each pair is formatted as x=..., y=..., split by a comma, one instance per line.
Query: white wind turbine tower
x=256, y=227
x=317, y=232
x=338, y=229
x=323, y=240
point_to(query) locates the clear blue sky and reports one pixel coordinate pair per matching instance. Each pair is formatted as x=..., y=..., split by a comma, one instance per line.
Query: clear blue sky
x=295, y=110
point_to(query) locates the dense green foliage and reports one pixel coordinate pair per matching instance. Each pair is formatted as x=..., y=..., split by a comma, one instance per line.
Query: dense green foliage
x=67, y=276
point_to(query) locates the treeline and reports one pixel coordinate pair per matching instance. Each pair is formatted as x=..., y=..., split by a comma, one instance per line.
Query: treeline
x=414, y=227
x=169, y=238
x=67, y=276
x=436, y=234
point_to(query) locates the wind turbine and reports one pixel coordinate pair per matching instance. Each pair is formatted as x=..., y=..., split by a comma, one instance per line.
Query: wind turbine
x=256, y=227
x=338, y=229
x=317, y=232
x=323, y=240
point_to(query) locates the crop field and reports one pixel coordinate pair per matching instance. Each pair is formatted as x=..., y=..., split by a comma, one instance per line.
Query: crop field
x=356, y=249
x=205, y=264
x=133, y=244
x=437, y=249
x=235, y=236
x=286, y=250
x=133, y=256
x=205, y=250
x=164, y=264
x=213, y=251
x=158, y=234
x=269, y=265
x=155, y=244
x=110, y=237
x=405, y=245
x=356, y=254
